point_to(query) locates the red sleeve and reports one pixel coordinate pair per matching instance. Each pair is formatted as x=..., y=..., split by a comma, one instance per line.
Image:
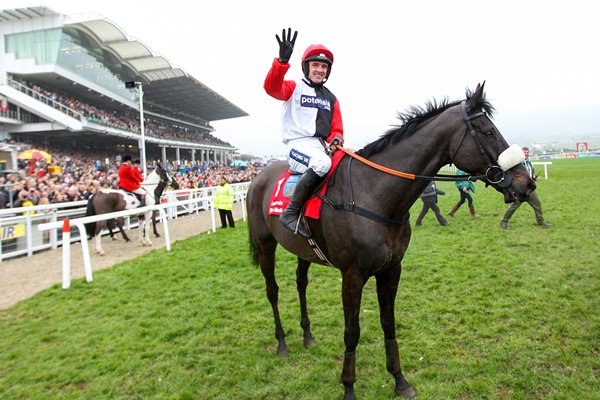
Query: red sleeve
x=137, y=174
x=337, y=129
x=274, y=84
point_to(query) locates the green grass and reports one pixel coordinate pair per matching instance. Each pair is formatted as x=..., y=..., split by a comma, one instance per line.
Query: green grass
x=482, y=313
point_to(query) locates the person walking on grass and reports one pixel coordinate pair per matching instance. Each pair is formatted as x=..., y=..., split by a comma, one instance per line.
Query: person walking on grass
x=429, y=198
x=533, y=201
x=464, y=187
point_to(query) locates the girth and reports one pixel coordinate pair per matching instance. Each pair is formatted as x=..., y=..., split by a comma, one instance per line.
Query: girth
x=353, y=208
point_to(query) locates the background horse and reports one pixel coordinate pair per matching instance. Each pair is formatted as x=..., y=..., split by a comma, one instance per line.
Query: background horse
x=110, y=200
x=363, y=229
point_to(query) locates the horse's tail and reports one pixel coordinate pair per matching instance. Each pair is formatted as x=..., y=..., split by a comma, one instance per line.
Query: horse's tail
x=252, y=248
x=90, y=227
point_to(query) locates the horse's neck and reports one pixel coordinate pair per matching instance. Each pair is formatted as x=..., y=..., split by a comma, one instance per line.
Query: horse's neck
x=393, y=195
x=150, y=184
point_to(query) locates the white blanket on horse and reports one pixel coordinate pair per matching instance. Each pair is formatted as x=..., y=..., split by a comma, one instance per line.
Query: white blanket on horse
x=131, y=200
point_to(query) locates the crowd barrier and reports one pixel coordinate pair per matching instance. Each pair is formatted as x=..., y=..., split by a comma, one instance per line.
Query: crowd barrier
x=79, y=223
x=19, y=235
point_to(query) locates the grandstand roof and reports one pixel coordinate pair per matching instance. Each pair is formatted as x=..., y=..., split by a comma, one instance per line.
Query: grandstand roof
x=163, y=84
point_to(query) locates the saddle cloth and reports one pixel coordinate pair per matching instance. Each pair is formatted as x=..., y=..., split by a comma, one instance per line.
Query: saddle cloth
x=282, y=191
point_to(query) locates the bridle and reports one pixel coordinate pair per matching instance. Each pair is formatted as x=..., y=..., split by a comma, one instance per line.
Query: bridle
x=161, y=184
x=494, y=174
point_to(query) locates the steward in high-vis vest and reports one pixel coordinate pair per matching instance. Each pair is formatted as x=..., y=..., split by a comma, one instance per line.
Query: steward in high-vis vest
x=224, y=203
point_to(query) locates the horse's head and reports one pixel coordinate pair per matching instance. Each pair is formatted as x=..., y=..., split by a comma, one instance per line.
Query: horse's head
x=481, y=150
x=166, y=177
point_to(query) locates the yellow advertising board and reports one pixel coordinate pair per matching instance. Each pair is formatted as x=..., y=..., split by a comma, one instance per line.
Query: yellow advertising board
x=12, y=231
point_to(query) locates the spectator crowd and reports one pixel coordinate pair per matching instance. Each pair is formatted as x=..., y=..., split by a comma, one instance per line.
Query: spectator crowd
x=73, y=177
x=128, y=121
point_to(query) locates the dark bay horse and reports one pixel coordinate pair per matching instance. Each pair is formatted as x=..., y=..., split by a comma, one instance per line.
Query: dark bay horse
x=110, y=200
x=363, y=230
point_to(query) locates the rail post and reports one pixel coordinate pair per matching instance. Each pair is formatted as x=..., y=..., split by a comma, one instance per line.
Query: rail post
x=66, y=254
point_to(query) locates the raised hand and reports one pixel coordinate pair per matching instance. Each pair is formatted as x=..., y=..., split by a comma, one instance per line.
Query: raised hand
x=286, y=44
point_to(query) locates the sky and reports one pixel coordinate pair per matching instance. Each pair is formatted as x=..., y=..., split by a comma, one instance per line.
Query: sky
x=540, y=59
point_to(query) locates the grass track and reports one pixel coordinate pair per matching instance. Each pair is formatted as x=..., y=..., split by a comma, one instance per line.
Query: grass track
x=482, y=313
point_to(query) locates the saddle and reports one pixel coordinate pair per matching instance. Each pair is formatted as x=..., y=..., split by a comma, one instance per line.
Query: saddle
x=137, y=196
x=286, y=184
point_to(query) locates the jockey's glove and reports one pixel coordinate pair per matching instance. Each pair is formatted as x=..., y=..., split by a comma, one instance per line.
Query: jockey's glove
x=286, y=44
x=336, y=141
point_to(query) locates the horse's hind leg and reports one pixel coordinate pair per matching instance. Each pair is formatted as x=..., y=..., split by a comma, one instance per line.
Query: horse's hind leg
x=120, y=226
x=301, y=284
x=387, y=286
x=266, y=259
x=110, y=226
x=97, y=237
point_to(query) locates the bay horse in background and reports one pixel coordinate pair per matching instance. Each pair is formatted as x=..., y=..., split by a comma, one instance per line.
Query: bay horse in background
x=363, y=229
x=111, y=200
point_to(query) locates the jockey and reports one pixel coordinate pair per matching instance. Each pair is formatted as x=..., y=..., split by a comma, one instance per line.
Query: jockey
x=130, y=178
x=311, y=119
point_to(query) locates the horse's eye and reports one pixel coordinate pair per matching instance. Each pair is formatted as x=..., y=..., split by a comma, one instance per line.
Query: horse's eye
x=490, y=133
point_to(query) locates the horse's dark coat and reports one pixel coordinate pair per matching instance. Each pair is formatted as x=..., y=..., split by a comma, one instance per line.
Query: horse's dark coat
x=361, y=247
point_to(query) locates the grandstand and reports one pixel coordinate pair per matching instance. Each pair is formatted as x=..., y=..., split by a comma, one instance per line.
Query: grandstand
x=62, y=83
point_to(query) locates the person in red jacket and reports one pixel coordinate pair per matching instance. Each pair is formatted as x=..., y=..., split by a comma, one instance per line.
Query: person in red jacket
x=311, y=120
x=130, y=178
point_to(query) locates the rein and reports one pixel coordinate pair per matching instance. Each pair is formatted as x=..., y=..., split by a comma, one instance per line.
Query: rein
x=406, y=175
x=494, y=174
x=352, y=207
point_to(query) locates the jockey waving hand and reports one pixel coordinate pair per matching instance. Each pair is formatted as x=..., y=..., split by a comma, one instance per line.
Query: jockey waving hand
x=311, y=117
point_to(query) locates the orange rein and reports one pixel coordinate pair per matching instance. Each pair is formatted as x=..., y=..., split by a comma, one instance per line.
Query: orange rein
x=376, y=166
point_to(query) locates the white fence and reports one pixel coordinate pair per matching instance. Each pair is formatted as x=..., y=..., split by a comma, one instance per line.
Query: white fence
x=19, y=235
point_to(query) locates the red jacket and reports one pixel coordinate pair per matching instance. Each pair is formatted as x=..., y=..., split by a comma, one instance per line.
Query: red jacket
x=128, y=180
x=138, y=174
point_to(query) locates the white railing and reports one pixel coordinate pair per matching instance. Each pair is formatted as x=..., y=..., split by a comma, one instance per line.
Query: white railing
x=47, y=100
x=79, y=223
x=545, y=164
x=19, y=235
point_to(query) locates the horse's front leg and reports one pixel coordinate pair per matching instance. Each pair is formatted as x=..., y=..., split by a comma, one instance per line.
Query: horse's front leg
x=387, y=287
x=301, y=284
x=147, y=217
x=154, y=214
x=353, y=282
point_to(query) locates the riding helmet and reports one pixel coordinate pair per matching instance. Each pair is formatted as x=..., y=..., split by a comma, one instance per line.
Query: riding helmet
x=317, y=52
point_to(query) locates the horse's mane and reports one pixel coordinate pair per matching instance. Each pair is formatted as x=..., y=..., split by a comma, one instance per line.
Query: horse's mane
x=415, y=115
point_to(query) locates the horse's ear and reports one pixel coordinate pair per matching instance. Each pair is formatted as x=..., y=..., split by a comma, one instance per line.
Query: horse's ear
x=476, y=99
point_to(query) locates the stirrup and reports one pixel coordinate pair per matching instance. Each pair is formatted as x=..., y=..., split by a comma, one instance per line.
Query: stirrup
x=302, y=228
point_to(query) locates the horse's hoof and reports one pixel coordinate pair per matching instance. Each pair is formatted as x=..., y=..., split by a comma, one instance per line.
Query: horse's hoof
x=102, y=253
x=147, y=244
x=309, y=342
x=349, y=393
x=282, y=351
x=406, y=392
x=113, y=238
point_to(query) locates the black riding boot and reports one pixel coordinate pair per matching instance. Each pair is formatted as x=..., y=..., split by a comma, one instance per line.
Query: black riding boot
x=290, y=217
